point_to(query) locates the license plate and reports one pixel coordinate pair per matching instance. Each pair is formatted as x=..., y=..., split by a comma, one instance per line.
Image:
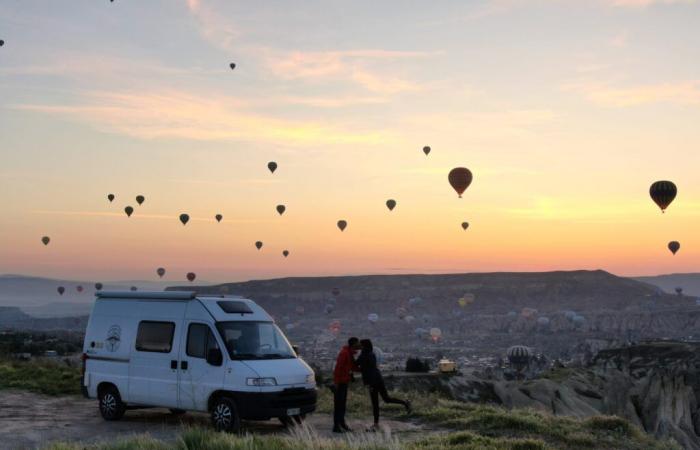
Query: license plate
x=293, y=411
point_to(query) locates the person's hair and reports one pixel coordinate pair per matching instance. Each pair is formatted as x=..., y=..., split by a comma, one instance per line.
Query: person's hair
x=353, y=341
x=366, y=345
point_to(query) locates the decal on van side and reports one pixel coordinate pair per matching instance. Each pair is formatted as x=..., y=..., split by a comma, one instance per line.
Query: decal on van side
x=113, y=338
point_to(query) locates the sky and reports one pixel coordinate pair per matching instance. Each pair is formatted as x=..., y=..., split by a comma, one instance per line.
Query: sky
x=565, y=111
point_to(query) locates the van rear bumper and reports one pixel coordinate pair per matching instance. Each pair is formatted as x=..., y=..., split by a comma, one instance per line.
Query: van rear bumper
x=265, y=405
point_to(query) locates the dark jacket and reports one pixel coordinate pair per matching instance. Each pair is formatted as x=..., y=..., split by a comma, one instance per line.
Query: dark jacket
x=371, y=375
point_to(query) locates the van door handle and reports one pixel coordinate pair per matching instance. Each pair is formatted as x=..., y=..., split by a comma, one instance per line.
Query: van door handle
x=183, y=365
x=173, y=364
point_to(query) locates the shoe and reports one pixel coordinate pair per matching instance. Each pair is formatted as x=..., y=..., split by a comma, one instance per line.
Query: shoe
x=331, y=387
x=338, y=430
x=409, y=410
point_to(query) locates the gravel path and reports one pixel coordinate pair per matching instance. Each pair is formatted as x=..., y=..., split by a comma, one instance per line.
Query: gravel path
x=29, y=421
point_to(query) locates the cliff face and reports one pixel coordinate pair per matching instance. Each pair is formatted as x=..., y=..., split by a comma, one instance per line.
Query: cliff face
x=654, y=385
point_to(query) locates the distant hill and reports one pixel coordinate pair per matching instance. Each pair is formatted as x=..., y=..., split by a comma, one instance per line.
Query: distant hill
x=496, y=293
x=690, y=282
x=38, y=297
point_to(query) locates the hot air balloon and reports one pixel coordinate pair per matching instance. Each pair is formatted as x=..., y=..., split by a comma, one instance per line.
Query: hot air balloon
x=285, y=253
x=184, y=218
x=391, y=204
x=79, y=289
x=110, y=197
x=133, y=289
x=334, y=326
x=426, y=150
x=258, y=245
x=61, y=290
x=435, y=334
x=465, y=225
x=460, y=178
x=519, y=357
x=674, y=246
x=342, y=224
x=663, y=193
x=373, y=317
x=335, y=291
x=218, y=217
x=129, y=211
x=140, y=199
x=160, y=271
x=281, y=209
x=272, y=166
x=191, y=276
x=46, y=240
x=232, y=66
x=679, y=290
x=98, y=286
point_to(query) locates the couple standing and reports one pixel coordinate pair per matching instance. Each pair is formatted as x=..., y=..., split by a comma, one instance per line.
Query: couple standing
x=366, y=363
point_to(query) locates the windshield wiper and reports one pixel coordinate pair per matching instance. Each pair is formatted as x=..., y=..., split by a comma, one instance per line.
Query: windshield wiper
x=246, y=356
x=276, y=356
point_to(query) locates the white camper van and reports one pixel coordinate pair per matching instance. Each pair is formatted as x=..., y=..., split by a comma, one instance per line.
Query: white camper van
x=187, y=352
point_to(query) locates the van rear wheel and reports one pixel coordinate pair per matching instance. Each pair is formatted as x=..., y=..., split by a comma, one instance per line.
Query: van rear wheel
x=224, y=415
x=111, y=405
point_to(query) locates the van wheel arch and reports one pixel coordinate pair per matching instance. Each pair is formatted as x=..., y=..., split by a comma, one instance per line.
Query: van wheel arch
x=110, y=401
x=224, y=413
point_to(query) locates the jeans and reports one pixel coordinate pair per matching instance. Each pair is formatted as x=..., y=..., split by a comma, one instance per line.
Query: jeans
x=340, y=399
x=375, y=391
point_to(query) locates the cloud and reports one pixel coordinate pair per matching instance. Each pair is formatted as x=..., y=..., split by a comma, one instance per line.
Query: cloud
x=174, y=114
x=679, y=93
x=646, y=3
x=354, y=66
x=215, y=28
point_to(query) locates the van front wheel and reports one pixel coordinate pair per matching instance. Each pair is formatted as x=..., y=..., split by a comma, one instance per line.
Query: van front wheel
x=111, y=405
x=224, y=415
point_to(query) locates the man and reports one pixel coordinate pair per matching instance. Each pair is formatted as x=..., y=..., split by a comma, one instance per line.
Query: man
x=344, y=366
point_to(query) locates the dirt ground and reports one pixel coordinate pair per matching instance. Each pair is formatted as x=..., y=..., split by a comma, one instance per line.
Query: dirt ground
x=29, y=421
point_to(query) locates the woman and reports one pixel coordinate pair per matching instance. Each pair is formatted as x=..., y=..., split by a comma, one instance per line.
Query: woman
x=373, y=378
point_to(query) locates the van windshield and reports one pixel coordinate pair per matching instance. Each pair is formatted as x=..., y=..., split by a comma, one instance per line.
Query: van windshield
x=255, y=340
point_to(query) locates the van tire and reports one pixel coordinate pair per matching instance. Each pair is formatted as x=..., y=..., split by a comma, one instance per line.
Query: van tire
x=110, y=403
x=224, y=415
x=177, y=412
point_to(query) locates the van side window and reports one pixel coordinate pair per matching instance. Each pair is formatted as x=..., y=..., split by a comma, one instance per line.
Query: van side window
x=199, y=340
x=155, y=336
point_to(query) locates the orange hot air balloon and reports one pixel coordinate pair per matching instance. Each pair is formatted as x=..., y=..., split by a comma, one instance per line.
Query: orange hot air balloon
x=460, y=178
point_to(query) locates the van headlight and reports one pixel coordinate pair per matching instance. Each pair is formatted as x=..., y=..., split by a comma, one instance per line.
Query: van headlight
x=261, y=382
x=311, y=379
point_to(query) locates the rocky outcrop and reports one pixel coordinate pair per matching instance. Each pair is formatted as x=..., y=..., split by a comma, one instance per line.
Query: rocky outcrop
x=654, y=385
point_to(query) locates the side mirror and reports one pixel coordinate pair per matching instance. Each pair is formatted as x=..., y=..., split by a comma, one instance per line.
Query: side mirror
x=215, y=357
x=296, y=349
